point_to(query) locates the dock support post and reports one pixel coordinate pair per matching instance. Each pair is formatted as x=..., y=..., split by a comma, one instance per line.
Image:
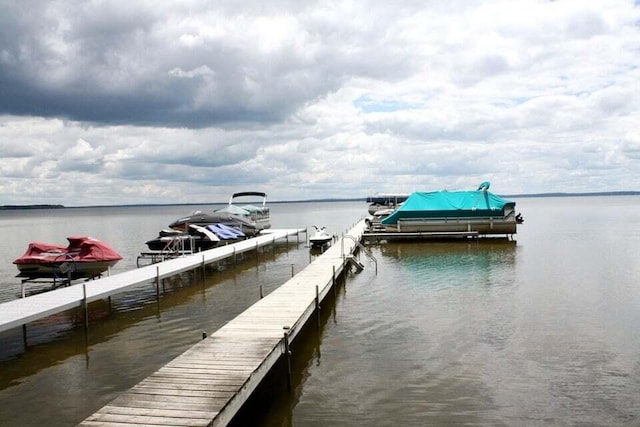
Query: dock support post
x=24, y=336
x=317, y=308
x=204, y=335
x=234, y=256
x=261, y=292
x=292, y=273
x=257, y=254
x=85, y=307
x=203, y=271
x=333, y=281
x=287, y=354
x=157, y=284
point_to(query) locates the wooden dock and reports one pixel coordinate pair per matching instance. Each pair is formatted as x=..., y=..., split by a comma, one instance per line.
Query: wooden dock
x=210, y=382
x=22, y=311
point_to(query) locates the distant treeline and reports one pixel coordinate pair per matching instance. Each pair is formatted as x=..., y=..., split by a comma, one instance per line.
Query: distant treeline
x=13, y=207
x=602, y=193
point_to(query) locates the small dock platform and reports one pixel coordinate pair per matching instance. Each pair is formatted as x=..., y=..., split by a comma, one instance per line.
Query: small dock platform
x=22, y=311
x=209, y=383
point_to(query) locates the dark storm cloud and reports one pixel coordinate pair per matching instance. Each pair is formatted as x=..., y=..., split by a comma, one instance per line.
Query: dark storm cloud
x=106, y=63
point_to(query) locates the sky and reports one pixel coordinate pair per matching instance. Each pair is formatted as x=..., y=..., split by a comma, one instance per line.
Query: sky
x=133, y=102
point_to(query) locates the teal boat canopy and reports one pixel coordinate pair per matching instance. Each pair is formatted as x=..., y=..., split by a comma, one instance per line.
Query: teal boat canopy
x=443, y=204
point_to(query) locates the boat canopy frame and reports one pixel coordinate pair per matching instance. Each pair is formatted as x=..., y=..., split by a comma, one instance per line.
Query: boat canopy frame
x=249, y=193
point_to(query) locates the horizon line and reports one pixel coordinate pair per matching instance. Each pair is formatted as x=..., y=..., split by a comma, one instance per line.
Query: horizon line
x=321, y=200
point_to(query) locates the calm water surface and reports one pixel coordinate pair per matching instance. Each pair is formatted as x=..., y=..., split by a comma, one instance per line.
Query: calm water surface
x=541, y=331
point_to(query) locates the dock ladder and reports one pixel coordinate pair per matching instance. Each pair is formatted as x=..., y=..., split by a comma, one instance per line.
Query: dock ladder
x=351, y=259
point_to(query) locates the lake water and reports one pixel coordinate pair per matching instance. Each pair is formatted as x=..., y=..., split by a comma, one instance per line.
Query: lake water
x=540, y=331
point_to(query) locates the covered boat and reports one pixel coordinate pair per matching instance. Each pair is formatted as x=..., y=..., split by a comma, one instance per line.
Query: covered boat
x=195, y=239
x=225, y=232
x=454, y=211
x=385, y=201
x=83, y=257
x=204, y=219
x=249, y=219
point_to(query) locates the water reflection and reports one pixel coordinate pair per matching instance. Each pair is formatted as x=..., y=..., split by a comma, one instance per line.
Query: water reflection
x=441, y=265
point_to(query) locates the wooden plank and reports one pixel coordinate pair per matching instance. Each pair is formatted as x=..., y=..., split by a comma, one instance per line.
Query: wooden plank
x=194, y=402
x=150, y=420
x=118, y=410
x=114, y=424
x=221, y=379
x=161, y=403
x=226, y=370
x=179, y=390
x=177, y=393
x=219, y=384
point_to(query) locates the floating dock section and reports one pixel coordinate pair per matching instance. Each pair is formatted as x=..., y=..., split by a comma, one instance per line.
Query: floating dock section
x=22, y=311
x=210, y=382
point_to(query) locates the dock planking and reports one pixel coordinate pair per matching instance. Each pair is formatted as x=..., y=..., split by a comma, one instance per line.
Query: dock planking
x=209, y=383
x=25, y=310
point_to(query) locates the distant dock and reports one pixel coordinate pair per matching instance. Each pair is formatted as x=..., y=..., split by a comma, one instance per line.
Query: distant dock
x=22, y=311
x=209, y=383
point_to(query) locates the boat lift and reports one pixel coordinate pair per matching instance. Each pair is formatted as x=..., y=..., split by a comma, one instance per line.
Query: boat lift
x=173, y=249
x=56, y=281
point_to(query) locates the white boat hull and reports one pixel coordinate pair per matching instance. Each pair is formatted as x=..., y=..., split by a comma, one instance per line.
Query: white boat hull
x=320, y=242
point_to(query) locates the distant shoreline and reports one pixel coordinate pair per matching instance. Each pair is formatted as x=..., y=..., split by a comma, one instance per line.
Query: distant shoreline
x=357, y=199
x=597, y=193
x=21, y=207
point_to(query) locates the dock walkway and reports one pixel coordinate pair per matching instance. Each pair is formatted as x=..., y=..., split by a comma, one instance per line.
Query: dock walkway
x=25, y=310
x=210, y=382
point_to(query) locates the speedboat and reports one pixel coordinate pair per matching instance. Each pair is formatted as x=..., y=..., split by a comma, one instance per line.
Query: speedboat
x=320, y=238
x=249, y=219
x=83, y=257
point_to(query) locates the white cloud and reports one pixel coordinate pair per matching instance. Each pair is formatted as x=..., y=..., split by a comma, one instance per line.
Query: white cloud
x=190, y=101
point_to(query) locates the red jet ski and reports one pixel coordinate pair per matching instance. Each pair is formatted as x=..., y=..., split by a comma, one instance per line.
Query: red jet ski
x=84, y=257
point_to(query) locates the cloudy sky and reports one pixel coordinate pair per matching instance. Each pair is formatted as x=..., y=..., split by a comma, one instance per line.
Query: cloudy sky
x=127, y=102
